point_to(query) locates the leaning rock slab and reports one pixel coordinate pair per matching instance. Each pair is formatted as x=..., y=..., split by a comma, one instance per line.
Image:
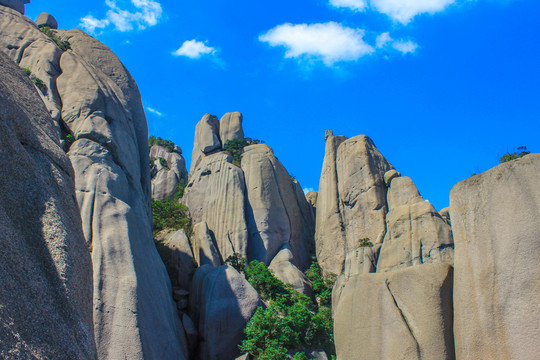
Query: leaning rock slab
x=204, y=246
x=230, y=127
x=207, y=139
x=284, y=269
x=497, y=238
x=399, y=315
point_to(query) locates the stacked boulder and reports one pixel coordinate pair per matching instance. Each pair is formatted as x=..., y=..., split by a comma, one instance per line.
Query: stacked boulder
x=95, y=108
x=393, y=254
x=167, y=171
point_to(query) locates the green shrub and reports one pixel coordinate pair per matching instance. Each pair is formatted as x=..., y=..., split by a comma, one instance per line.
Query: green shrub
x=38, y=82
x=180, y=188
x=169, y=214
x=300, y=356
x=291, y=321
x=364, y=242
x=236, y=147
x=167, y=144
x=27, y=70
x=321, y=287
x=237, y=261
x=64, y=45
x=163, y=163
x=515, y=155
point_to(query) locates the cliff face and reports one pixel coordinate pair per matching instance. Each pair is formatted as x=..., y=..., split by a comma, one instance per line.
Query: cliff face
x=93, y=99
x=46, y=292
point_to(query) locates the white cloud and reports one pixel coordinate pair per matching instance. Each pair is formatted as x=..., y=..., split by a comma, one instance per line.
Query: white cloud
x=402, y=11
x=330, y=42
x=405, y=47
x=144, y=13
x=306, y=190
x=154, y=111
x=194, y=49
x=357, y=5
x=382, y=40
x=405, y=10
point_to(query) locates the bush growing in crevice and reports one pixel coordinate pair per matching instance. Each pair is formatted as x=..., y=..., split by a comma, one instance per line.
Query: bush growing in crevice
x=163, y=163
x=235, y=148
x=291, y=321
x=167, y=144
x=364, y=242
x=64, y=45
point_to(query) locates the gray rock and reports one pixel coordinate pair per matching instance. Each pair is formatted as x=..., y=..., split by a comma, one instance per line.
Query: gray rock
x=215, y=195
x=389, y=175
x=230, y=127
x=402, y=314
x=277, y=213
x=207, y=139
x=17, y=5
x=179, y=260
x=497, y=238
x=46, y=19
x=311, y=198
x=284, y=269
x=191, y=332
x=353, y=207
x=227, y=303
x=362, y=260
x=46, y=292
x=416, y=233
x=445, y=214
x=204, y=247
x=165, y=180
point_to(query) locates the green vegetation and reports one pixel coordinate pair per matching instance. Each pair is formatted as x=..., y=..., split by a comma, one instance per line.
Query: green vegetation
x=522, y=151
x=321, y=287
x=167, y=144
x=364, y=243
x=237, y=261
x=236, y=147
x=170, y=214
x=64, y=45
x=291, y=320
x=163, y=163
x=152, y=159
x=38, y=82
x=180, y=190
x=27, y=70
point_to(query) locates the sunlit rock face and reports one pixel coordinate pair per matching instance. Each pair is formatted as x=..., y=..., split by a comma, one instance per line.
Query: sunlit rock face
x=96, y=108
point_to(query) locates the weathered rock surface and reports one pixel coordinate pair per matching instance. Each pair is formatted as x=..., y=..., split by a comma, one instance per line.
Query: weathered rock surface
x=179, y=260
x=416, y=233
x=445, y=214
x=284, y=269
x=215, y=195
x=46, y=292
x=497, y=238
x=165, y=180
x=226, y=303
x=92, y=96
x=204, y=246
x=230, y=127
x=207, y=139
x=277, y=211
x=17, y=5
x=402, y=314
x=351, y=204
x=46, y=19
x=311, y=198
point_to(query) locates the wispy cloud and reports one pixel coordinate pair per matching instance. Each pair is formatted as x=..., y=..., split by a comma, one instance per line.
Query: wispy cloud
x=306, y=190
x=154, y=111
x=140, y=15
x=385, y=41
x=194, y=49
x=402, y=11
x=329, y=42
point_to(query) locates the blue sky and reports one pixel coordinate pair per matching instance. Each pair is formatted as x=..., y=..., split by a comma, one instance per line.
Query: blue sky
x=443, y=87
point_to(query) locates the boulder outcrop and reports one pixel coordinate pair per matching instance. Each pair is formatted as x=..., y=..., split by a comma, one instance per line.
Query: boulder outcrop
x=225, y=303
x=207, y=139
x=497, y=241
x=204, y=246
x=403, y=314
x=283, y=267
x=168, y=172
x=93, y=98
x=46, y=19
x=416, y=233
x=351, y=203
x=17, y=5
x=215, y=195
x=46, y=292
x=230, y=127
x=179, y=259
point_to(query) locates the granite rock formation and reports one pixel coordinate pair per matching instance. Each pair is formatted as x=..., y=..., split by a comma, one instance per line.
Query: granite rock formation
x=496, y=282
x=46, y=292
x=92, y=98
x=168, y=172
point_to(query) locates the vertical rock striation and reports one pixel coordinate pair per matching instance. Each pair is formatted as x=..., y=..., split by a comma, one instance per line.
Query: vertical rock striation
x=46, y=292
x=497, y=287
